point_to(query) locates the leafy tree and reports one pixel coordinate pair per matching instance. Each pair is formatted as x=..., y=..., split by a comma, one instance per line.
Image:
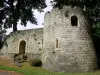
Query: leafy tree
x=80, y=3
x=92, y=6
x=11, y=11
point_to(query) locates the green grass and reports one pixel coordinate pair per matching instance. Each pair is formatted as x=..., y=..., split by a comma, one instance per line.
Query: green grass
x=29, y=70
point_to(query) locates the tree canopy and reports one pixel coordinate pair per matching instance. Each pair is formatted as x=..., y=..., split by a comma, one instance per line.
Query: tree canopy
x=11, y=11
x=80, y=3
x=92, y=6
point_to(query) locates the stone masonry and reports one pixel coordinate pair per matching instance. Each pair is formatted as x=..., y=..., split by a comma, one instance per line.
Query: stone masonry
x=68, y=46
x=64, y=45
x=33, y=43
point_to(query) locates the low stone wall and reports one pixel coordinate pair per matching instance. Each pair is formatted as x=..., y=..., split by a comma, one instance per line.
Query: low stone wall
x=30, y=56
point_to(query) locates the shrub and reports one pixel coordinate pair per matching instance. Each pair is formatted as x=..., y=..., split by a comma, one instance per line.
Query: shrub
x=97, y=32
x=36, y=62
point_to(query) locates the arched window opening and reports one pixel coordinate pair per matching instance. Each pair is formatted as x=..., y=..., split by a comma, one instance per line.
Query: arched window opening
x=22, y=46
x=74, y=21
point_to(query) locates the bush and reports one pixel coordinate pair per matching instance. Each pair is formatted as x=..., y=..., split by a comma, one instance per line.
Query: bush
x=97, y=32
x=36, y=62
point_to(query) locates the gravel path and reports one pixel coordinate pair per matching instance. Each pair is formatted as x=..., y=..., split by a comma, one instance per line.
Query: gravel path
x=2, y=72
x=5, y=73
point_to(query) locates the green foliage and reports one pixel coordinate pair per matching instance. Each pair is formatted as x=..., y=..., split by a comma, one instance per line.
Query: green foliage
x=11, y=11
x=91, y=6
x=97, y=33
x=80, y=3
x=36, y=62
x=60, y=3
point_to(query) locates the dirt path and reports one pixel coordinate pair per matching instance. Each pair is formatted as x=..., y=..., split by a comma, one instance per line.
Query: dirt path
x=4, y=60
x=2, y=72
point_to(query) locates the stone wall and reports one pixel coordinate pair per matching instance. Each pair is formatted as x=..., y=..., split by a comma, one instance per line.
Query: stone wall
x=33, y=39
x=67, y=47
x=65, y=43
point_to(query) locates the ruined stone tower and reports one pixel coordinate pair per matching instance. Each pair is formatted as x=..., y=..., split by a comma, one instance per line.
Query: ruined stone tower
x=64, y=45
x=67, y=43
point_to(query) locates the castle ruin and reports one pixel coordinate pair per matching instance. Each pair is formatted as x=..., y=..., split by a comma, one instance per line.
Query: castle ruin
x=63, y=45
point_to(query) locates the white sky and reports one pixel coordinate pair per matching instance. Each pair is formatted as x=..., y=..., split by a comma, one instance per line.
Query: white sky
x=39, y=16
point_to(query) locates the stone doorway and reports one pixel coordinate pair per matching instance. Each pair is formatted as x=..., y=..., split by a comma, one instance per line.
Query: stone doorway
x=22, y=46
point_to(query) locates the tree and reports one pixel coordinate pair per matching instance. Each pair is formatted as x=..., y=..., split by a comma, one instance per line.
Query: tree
x=80, y=3
x=11, y=11
x=92, y=6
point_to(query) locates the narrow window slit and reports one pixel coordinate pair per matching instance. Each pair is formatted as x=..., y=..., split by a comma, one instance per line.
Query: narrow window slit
x=56, y=43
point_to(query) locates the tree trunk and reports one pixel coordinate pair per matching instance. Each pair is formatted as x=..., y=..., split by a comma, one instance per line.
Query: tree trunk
x=14, y=22
x=16, y=13
x=15, y=26
x=16, y=16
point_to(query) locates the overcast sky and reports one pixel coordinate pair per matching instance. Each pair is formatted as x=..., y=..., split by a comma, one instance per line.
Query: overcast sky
x=39, y=16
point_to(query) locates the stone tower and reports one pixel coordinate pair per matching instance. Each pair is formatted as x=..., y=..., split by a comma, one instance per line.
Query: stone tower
x=68, y=46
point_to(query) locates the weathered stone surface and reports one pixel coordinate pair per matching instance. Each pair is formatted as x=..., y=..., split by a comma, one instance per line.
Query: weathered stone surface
x=64, y=45
x=33, y=39
x=74, y=50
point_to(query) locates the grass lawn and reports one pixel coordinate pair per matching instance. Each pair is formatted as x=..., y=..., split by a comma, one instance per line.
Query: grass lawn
x=26, y=69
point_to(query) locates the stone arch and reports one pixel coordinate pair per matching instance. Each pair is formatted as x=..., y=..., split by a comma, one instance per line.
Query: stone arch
x=22, y=46
x=74, y=20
